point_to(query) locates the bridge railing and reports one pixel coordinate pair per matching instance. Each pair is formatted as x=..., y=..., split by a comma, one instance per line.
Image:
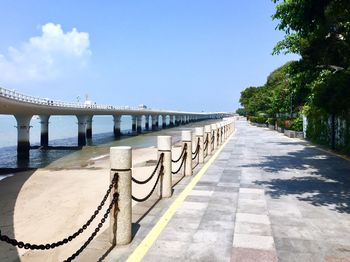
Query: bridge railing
x=12, y=94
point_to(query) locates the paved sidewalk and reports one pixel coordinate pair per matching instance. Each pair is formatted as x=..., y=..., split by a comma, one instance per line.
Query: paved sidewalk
x=266, y=198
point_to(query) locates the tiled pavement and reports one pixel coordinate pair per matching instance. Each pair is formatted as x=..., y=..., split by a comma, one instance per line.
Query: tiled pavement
x=265, y=198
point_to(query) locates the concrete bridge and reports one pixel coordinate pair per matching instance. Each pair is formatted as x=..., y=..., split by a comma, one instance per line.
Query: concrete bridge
x=24, y=107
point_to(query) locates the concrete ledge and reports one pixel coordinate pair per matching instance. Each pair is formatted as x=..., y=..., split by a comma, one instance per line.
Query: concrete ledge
x=293, y=134
x=271, y=127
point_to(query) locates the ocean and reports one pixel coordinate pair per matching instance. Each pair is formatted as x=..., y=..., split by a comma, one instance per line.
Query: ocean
x=63, y=132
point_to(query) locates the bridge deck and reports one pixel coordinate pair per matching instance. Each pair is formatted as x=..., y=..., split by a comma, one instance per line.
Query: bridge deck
x=265, y=198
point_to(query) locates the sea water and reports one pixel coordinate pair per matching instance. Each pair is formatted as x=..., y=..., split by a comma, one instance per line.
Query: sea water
x=63, y=132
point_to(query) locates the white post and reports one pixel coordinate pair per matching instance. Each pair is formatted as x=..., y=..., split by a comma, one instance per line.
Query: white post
x=187, y=140
x=199, y=134
x=165, y=185
x=215, y=141
x=121, y=215
x=207, y=131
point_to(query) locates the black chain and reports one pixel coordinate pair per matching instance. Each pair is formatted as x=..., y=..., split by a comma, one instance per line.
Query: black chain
x=196, y=153
x=97, y=229
x=206, y=140
x=196, y=146
x=182, y=163
x=180, y=157
x=140, y=182
x=21, y=244
x=150, y=193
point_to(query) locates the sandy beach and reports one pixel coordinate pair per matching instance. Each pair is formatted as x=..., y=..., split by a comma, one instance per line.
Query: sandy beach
x=48, y=204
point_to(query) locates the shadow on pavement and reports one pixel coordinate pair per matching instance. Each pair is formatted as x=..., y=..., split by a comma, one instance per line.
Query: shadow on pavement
x=316, y=177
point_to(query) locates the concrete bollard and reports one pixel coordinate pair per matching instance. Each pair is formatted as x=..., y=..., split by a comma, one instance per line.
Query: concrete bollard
x=199, y=131
x=214, y=136
x=218, y=137
x=186, y=137
x=165, y=185
x=120, y=216
x=207, y=131
x=222, y=133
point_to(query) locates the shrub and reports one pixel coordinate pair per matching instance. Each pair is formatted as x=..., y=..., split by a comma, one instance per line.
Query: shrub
x=271, y=121
x=258, y=119
x=281, y=123
x=296, y=124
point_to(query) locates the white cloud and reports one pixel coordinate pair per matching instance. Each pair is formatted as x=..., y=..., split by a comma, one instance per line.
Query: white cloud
x=49, y=56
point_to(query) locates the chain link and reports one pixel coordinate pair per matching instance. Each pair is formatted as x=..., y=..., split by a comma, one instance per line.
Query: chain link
x=97, y=229
x=180, y=157
x=181, y=165
x=141, y=182
x=21, y=244
x=150, y=193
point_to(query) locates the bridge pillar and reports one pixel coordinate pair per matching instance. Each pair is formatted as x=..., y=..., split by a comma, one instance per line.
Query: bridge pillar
x=89, y=127
x=82, y=121
x=172, y=121
x=147, y=122
x=177, y=120
x=154, y=122
x=134, y=123
x=163, y=121
x=23, y=130
x=44, y=133
x=139, y=124
x=116, y=126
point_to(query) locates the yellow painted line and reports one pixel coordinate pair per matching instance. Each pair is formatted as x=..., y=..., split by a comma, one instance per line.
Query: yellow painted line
x=145, y=245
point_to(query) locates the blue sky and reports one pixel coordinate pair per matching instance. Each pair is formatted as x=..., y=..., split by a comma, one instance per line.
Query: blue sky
x=174, y=54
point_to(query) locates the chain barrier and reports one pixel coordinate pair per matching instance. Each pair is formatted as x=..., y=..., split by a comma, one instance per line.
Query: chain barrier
x=97, y=229
x=141, y=182
x=206, y=143
x=181, y=165
x=196, y=152
x=180, y=157
x=21, y=244
x=150, y=193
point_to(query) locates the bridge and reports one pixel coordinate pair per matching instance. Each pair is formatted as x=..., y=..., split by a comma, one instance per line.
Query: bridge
x=24, y=107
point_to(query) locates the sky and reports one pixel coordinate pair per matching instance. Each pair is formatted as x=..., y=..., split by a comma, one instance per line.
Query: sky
x=184, y=55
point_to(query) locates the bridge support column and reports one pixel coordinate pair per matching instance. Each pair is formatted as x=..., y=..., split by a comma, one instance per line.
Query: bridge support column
x=139, y=124
x=23, y=130
x=82, y=120
x=134, y=123
x=163, y=121
x=172, y=121
x=147, y=122
x=116, y=126
x=177, y=120
x=44, y=133
x=89, y=127
x=154, y=123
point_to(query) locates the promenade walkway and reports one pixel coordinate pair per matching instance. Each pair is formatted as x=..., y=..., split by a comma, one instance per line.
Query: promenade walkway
x=266, y=197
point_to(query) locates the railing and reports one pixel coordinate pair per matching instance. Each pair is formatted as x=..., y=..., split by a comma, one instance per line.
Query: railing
x=12, y=94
